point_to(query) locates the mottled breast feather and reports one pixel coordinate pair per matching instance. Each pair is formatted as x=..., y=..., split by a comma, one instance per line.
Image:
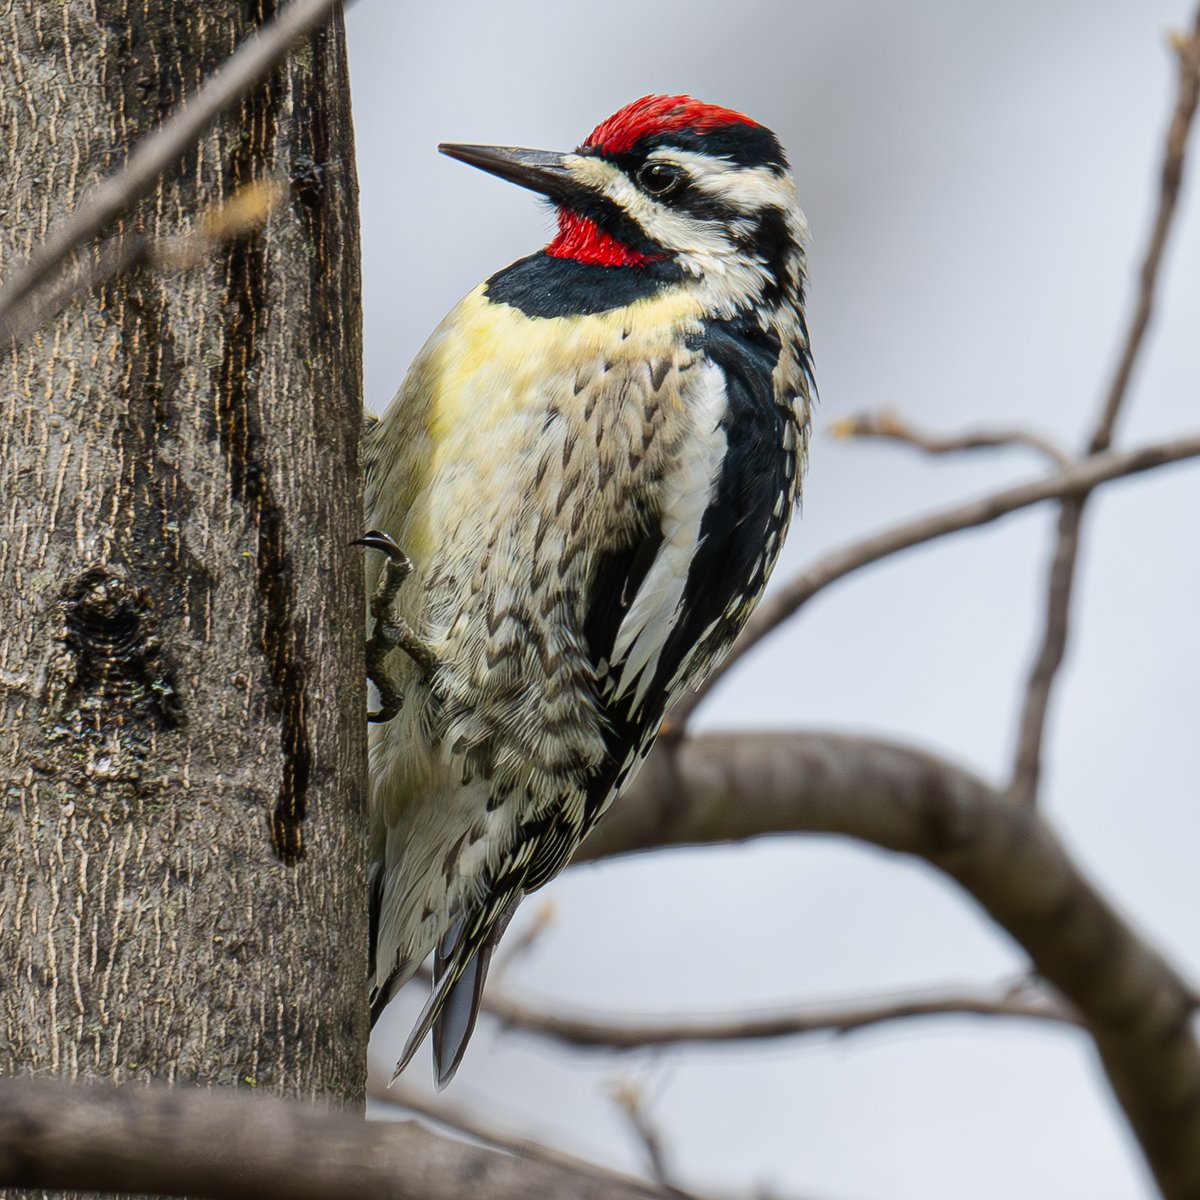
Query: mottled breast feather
x=530, y=451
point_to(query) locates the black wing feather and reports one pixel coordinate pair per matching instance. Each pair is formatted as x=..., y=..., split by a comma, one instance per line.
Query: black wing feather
x=731, y=563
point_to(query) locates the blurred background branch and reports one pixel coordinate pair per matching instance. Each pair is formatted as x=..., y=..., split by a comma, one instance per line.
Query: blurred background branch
x=1027, y=768
x=607, y=1032
x=22, y=311
x=727, y=787
x=891, y=426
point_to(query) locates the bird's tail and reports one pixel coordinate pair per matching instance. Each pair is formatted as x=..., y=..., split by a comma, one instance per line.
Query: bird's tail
x=460, y=970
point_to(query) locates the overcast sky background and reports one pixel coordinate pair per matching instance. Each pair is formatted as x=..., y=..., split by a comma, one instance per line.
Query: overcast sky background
x=979, y=179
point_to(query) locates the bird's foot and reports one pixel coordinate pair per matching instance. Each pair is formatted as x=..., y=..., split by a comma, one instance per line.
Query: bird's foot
x=390, y=631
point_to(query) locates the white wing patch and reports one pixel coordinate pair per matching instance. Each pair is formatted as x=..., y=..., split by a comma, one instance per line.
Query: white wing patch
x=688, y=489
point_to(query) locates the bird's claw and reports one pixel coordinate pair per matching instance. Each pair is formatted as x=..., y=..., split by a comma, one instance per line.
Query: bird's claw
x=378, y=539
x=391, y=631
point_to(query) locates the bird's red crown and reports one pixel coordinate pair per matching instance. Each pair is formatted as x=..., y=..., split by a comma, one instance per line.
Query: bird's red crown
x=659, y=114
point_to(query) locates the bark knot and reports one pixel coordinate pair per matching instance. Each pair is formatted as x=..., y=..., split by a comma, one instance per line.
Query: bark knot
x=111, y=673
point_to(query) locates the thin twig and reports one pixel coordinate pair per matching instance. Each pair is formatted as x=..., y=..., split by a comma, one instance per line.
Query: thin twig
x=402, y=1098
x=892, y=426
x=629, y=1098
x=221, y=222
x=399, y=1100
x=1031, y=729
x=596, y=1032
x=1081, y=477
x=1187, y=50
x=252, y=60
x=1027, y=767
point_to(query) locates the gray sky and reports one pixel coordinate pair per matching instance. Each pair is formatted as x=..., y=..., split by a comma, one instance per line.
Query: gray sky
x=979, y=179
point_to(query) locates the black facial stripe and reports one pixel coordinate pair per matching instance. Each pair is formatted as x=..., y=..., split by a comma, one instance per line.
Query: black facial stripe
x=744, y=145
x=615, y=221
x=685, y=198
x=770, y=241
x=763, y=234
x=543, y=286
x=704, y=205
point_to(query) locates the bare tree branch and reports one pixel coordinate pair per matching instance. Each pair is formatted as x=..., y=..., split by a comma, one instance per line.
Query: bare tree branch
x=1077, y=479
x=1031, y=727
x=630, y=1098
x=891, y=426
x=400, y=1097
x=1027, y=767
x=224, y=221
x=252, y=60
x=1137, y=1008
x=233, y=1146
x=607, y=1033
x=1187, y=50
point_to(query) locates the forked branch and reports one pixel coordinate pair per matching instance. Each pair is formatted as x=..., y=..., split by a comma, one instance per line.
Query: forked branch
x=1137, y=1008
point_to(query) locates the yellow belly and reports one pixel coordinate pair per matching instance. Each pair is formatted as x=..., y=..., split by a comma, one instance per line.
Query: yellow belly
x=463, y=429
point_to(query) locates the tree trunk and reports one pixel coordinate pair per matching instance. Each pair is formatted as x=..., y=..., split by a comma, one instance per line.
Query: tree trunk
x=182, y=879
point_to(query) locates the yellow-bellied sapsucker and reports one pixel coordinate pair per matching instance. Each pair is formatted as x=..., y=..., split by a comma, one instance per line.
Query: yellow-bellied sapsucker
x=593, y=464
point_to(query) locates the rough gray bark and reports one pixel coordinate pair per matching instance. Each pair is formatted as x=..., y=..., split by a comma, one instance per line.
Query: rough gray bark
x=182, y=879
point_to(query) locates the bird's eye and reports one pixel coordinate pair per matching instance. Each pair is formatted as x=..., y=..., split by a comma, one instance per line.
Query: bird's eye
x=659, y=178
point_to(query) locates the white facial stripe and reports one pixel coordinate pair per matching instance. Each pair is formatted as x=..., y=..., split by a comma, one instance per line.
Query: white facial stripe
x=746, y=189
x=675, y=230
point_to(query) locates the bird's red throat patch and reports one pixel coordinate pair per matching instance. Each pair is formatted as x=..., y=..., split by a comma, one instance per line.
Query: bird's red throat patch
x=583, y=240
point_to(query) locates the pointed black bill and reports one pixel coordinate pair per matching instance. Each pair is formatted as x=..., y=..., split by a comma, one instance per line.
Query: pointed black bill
x=539, y=170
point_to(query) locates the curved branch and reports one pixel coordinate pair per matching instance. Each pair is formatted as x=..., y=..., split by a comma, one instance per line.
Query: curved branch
x=234, y=1146
x=401, y=1098
x=401, y=1101
x=607, y=1033
x=729, y=787
x=1082, y=477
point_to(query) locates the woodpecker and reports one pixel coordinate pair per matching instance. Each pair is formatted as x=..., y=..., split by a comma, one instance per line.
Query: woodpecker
x=593, y=464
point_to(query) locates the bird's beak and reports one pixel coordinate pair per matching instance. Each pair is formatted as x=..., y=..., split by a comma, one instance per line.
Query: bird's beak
x=542, y=171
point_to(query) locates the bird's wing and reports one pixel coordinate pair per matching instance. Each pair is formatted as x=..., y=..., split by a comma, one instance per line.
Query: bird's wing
x=665, y=607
